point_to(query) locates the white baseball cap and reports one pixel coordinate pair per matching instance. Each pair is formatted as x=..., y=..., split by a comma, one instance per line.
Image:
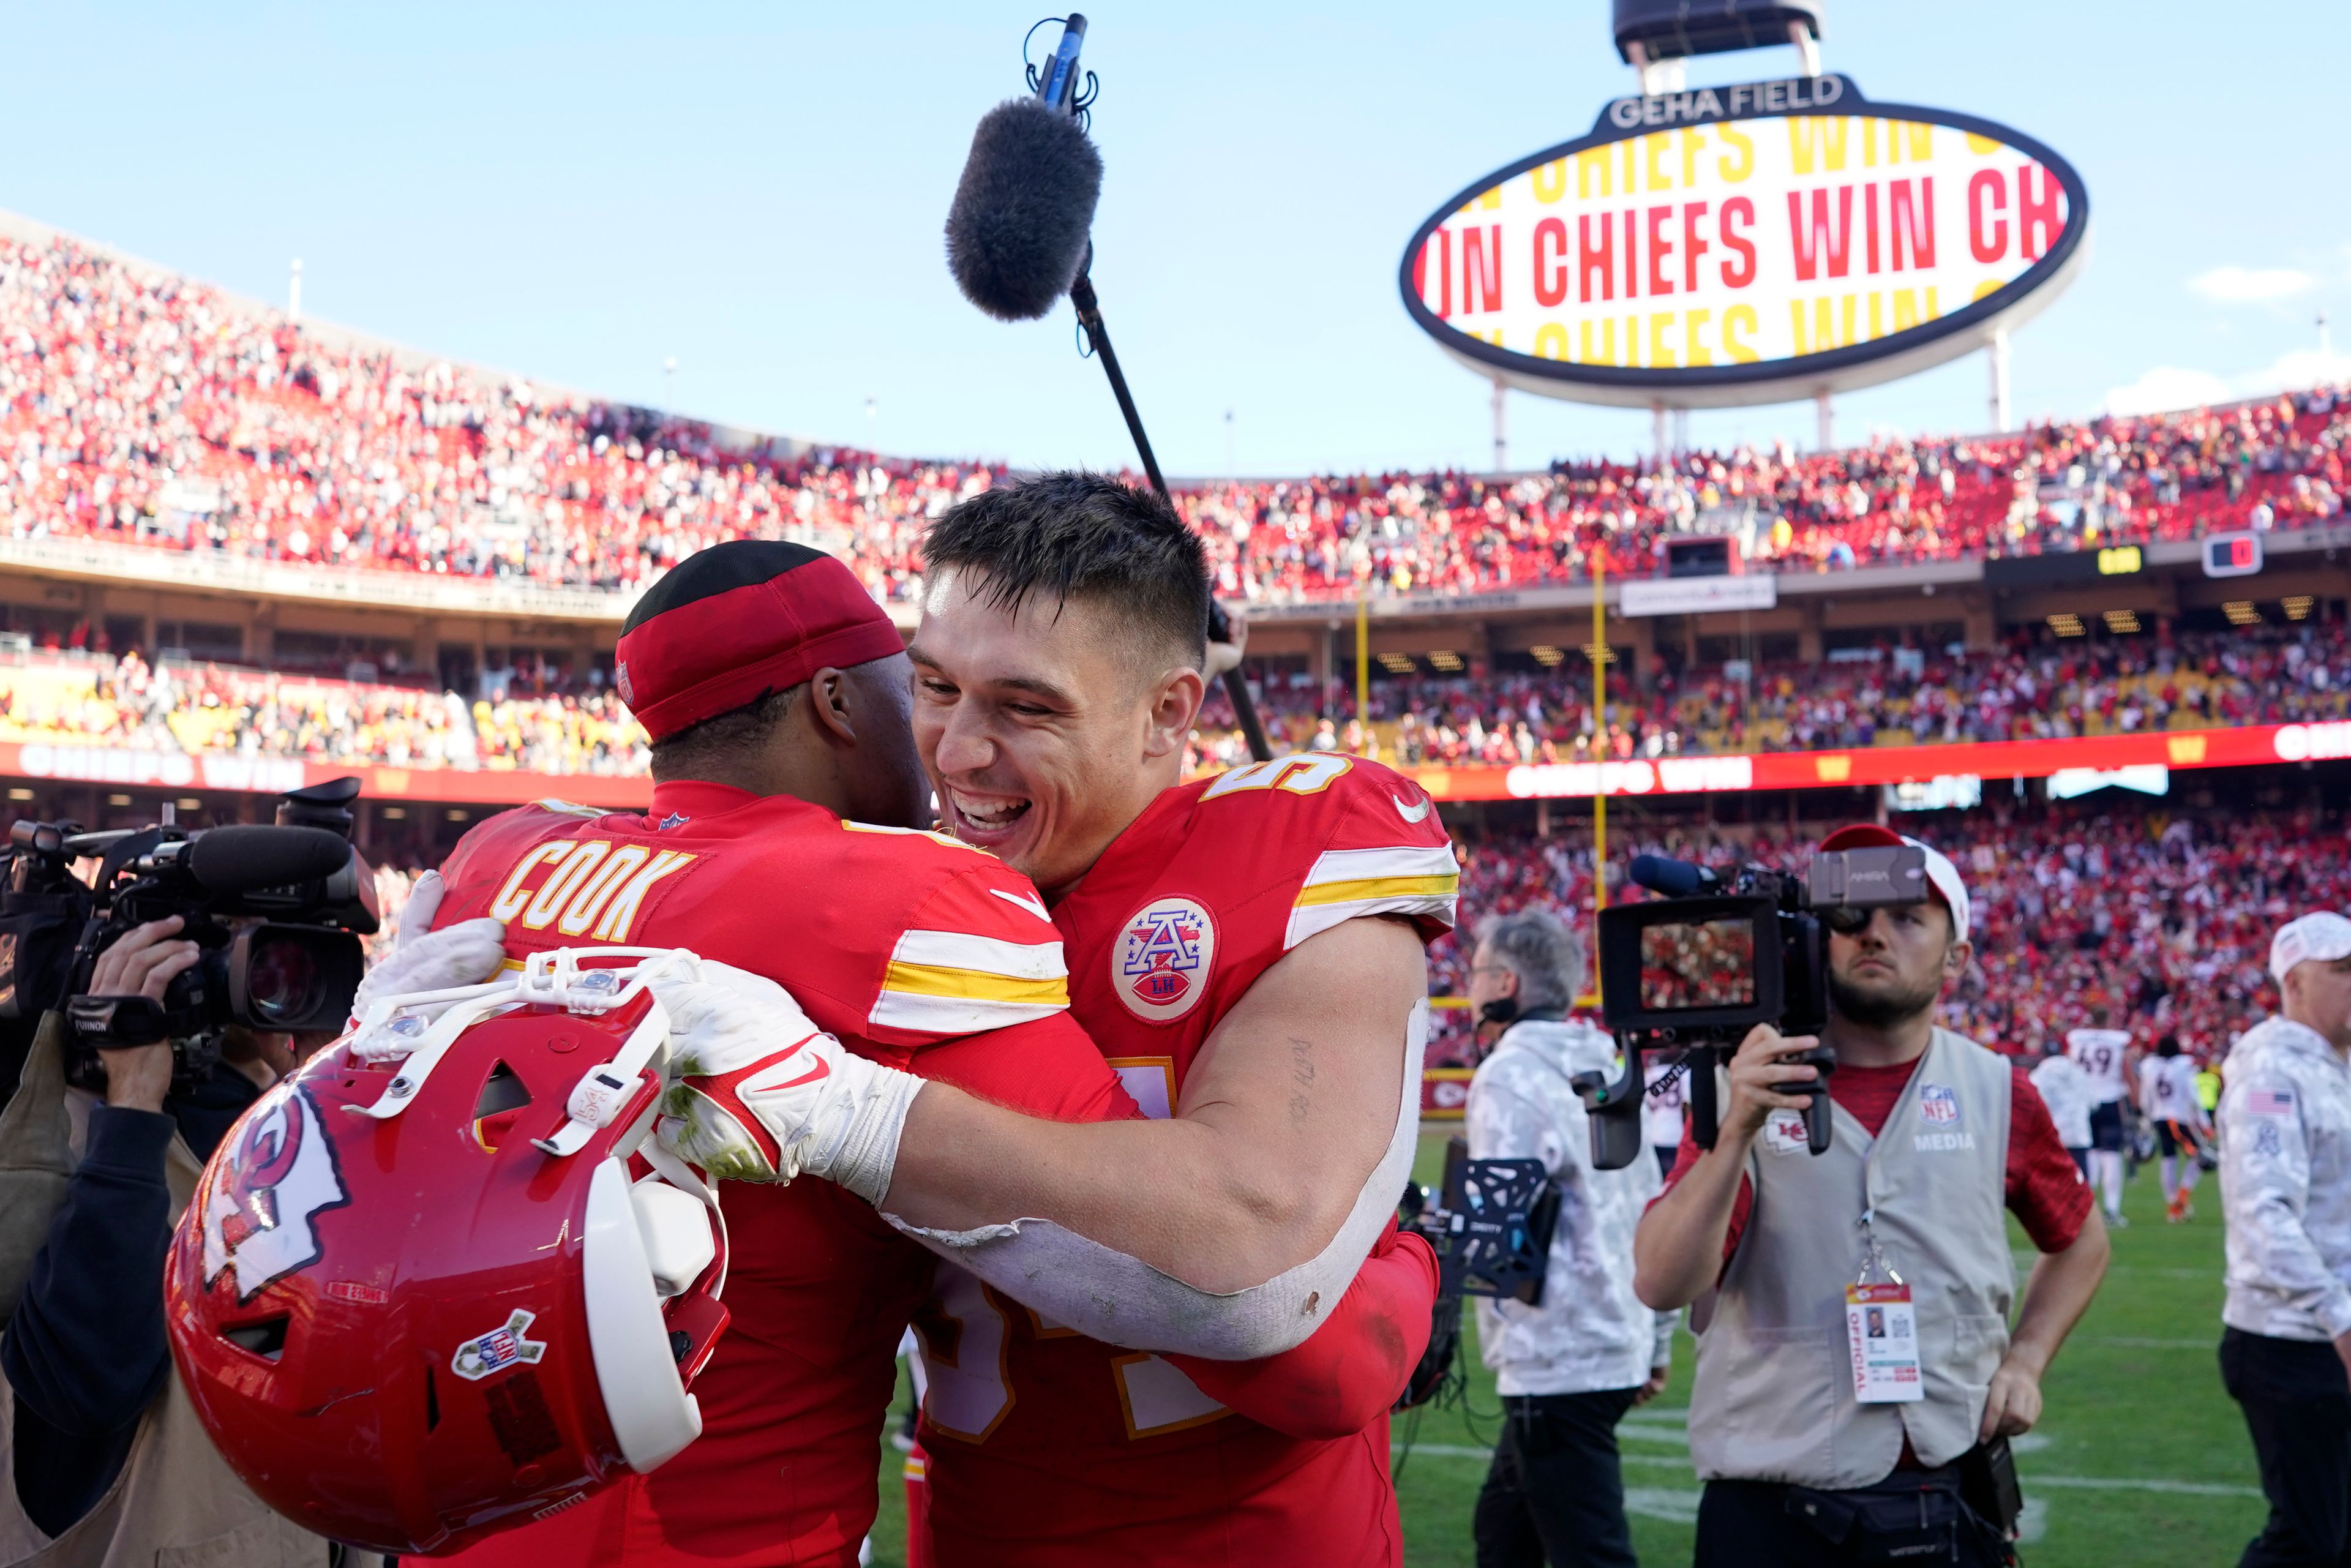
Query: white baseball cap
x=1941, y=874
x=2324, y=936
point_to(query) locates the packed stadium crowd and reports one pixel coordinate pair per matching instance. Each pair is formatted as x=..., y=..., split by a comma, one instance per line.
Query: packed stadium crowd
x=206, y=707
x=139, y=407
x=2029, y=687
x=2161, y=919
x=142, y=408
x=2033, y=686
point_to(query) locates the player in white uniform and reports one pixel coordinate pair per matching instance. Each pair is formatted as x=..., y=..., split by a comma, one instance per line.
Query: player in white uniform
x=2104, y=1056
x=2066, y=1092
x=2167, y=1097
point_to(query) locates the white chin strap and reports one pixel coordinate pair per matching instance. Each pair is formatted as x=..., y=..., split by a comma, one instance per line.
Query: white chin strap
x=1123, y=1300
x=422, y=1026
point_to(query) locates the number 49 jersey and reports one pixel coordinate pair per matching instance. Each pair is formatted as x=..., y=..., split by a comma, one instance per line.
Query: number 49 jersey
x=2100, y=1052
x=1047, y=1448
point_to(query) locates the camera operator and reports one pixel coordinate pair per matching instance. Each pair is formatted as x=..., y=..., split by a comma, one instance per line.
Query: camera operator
x=1569, y=1368
x=1827, y=1430
x=105, y=1458
x=2285, y=1195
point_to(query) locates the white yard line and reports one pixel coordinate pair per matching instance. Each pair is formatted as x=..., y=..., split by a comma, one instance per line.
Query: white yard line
x=2140, y=1483
x=1672, y=1504
x=2136, y=1342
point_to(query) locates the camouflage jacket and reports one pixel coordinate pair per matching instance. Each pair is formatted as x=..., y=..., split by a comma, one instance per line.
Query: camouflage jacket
x=2286, y=1184
x=1591, y=1332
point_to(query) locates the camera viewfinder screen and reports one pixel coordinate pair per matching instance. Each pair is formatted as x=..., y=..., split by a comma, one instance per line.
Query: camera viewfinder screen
x=1697, y=964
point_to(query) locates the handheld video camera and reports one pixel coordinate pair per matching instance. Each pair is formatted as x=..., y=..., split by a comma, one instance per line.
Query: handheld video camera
x=1686, y=976
x=297, y=893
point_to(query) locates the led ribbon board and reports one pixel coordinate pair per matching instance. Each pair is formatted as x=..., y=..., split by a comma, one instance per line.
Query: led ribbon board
x=1747, y=245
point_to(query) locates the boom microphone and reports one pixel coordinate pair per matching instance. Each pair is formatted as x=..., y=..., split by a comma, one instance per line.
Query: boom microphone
x=1018, y=239
x=1675, y=879
x=241, y=859
x=1017, y=231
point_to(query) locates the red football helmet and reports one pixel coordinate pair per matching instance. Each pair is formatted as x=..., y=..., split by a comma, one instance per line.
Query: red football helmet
x=418, y=1296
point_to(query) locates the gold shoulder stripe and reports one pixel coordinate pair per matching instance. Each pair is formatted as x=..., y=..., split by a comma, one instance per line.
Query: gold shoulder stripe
x=1378, y=887
x=976, y=985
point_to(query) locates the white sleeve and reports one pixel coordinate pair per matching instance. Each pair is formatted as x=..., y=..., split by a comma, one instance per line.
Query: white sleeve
x=1119, y=1300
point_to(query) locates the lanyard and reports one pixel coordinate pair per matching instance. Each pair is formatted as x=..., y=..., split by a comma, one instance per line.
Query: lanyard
x=1873, y=1256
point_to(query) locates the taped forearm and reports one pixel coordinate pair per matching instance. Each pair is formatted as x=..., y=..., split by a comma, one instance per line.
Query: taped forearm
x=1352, y=1369
x=1116, y=1298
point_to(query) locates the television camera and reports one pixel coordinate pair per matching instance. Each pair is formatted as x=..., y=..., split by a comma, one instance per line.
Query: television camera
x=277, y=912
x=1684, y=977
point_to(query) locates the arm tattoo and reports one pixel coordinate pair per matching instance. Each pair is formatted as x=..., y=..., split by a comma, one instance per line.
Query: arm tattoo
x=1302, y=1080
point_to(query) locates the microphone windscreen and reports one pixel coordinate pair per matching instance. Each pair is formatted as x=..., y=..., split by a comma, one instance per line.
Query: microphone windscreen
x=241, y=858
x=1017, y=231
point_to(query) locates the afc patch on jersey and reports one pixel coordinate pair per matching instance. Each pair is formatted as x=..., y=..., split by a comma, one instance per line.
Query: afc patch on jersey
x=1160, y=963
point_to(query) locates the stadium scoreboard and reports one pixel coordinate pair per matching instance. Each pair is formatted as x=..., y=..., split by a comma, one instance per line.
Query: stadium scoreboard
x=2053, y=569
x=2237, y=553
x=1748, y=243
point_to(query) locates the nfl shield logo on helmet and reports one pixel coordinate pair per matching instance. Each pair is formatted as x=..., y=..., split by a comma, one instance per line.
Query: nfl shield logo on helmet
x=1938, y=1105
x=1162, y=959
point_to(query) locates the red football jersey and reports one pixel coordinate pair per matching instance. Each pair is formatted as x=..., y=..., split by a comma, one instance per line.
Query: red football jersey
x=1047, y=1448
x=911, y=947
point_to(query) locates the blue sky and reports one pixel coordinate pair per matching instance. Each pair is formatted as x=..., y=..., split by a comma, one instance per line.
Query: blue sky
x=582, y=193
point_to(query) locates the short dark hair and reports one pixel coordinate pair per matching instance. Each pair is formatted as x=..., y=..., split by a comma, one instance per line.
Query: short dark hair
x=723, y=740
x=1071, y=534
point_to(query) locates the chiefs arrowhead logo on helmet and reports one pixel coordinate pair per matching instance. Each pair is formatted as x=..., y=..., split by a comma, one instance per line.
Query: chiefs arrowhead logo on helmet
x=278, y=1179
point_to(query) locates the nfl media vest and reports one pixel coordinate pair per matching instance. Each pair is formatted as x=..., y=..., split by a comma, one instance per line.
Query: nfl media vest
x=1774, y=1400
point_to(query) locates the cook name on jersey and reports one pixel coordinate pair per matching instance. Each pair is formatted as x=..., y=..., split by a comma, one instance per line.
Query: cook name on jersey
x=896, y=939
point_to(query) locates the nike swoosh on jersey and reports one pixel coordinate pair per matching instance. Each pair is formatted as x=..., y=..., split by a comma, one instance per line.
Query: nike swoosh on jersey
x=1035, y=906
x=1411, y=813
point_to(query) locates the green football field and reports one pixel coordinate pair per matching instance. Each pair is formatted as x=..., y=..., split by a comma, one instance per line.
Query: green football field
x=2139, y=1458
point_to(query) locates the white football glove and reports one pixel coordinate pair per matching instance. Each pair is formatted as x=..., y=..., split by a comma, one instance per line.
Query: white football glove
x=424, y=960
x=756, y=1092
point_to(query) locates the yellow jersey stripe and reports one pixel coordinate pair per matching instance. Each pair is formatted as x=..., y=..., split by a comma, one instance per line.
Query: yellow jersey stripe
x=975, y=985
x=1378, y=887
x=966, y=950
x=952, y=1015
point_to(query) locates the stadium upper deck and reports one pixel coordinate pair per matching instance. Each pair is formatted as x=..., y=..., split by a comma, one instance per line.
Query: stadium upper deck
x=182, y=471
x=145, y=409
